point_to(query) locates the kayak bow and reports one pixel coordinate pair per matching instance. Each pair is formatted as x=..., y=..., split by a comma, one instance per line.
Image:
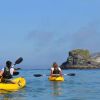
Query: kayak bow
x=18, y=84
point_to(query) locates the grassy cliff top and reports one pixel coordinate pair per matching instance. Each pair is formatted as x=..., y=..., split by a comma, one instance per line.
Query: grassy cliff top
x=84, y=53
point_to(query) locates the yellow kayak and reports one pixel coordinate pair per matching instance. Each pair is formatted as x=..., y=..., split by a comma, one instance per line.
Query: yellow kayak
x=56, y=78
x=18, y=84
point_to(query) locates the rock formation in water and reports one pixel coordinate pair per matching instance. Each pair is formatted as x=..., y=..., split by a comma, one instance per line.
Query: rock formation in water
x=81, y=59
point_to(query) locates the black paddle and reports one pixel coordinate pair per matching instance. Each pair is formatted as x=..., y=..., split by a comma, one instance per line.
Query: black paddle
x=15, y=73
x=71, y=74
x=39, y=75
x=18, y=61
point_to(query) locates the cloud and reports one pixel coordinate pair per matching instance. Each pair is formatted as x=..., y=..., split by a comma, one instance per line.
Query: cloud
x=49, y=45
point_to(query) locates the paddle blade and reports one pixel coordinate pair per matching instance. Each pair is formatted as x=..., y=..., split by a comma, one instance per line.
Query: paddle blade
x=15, y=73
x=37, y=75
x=19, y=60
x=71, y=74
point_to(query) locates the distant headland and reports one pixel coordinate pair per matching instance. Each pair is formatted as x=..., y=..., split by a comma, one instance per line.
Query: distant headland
x=81, y=59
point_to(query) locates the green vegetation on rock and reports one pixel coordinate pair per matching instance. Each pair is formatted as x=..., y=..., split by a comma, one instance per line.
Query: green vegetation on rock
x=78, y=56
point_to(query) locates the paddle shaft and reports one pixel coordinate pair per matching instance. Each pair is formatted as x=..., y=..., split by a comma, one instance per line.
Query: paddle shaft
x=39, y=75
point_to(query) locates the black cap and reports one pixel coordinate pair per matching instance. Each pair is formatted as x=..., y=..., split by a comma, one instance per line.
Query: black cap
x=8, y=63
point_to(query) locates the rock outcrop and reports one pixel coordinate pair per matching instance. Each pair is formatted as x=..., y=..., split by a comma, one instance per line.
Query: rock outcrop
x=81, y=59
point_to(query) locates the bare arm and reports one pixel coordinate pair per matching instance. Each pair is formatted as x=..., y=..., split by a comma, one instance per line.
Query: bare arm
x=51, y=73
x=14, y=70
x=60, y=71
x=1, y=73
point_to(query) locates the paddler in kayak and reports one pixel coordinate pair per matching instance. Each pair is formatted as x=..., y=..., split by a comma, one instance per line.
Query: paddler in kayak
x=7, y=72
x=55, y=70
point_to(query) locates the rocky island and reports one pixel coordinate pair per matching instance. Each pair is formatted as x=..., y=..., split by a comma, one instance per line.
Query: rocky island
x=81, y=59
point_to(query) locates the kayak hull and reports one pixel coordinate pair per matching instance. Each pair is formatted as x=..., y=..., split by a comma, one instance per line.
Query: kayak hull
x=54, y=78
x=19, y=83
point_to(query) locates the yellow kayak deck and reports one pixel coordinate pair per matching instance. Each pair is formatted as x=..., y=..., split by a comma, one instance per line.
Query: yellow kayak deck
x=19, y=83
x=56, y=78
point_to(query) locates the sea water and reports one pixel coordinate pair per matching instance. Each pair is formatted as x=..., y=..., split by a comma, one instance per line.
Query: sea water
x=85, y=85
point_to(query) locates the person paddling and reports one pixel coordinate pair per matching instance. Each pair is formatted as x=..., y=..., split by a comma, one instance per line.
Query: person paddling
x=55, y=70
x=7, y=72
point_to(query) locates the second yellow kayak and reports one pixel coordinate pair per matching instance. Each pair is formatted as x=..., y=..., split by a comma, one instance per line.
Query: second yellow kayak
x=56, y=78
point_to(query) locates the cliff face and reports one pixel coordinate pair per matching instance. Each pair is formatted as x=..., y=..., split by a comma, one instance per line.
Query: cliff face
x=80, y=59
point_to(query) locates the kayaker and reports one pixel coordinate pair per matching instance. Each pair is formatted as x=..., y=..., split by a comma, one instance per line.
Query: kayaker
x=55, y=70
x=7, y=72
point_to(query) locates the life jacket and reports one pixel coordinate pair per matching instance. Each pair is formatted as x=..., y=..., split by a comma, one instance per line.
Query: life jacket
x=6, y=73
x=56, y=71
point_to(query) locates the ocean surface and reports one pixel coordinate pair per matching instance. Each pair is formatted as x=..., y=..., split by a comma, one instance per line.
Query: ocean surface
x=85, y=85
